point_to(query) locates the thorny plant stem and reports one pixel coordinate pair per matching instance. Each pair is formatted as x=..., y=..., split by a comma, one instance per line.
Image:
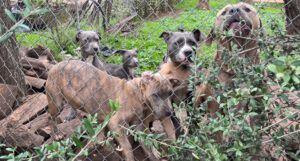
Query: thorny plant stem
x=278, y=122
x=90, y=141
x=163, y=143
x=77, y=15
x=282, y=136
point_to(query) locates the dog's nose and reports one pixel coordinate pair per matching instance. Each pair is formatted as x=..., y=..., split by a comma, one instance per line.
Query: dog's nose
x=96, y=49
x=168, y=113
x=234, y=11
x=188, y=53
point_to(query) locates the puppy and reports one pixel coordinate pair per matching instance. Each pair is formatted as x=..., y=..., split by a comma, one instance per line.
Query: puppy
x=179, y=61
x=244, y=22
x=127, y=69
x=89, y=46
x=150, y=93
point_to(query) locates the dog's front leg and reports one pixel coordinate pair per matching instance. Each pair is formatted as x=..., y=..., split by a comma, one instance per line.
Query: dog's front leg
x=152, y=154
x=121, y=138
x=169, y=128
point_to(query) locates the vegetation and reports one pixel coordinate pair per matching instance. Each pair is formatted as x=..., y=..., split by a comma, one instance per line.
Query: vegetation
x=146, y=36
x=245, y=140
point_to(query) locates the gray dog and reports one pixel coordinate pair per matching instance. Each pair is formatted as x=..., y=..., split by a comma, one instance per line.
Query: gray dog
x=89, y=44
x=127, y=69
x=177, y=65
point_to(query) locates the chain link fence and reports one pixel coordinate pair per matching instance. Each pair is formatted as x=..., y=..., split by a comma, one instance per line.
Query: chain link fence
x=235, y=98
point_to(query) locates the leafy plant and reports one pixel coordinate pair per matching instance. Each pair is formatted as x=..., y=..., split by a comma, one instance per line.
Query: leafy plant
x=29, y=11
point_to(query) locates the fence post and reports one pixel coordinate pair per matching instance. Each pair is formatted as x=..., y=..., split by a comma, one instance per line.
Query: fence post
x=10, y=70
x=292, y=10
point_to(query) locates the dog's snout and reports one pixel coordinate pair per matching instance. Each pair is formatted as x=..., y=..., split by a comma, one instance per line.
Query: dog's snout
x=188, y=53
x=168, y=113
x=234, y=11
x=136, y=63
x=96, y=49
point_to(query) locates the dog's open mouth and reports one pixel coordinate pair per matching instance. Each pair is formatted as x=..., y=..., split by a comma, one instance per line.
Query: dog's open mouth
x=187, y=62
x=238, y=26
x=134, y=65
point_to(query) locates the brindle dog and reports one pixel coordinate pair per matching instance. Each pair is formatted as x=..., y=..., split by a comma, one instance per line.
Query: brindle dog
x=244, y=22
x=147, y=94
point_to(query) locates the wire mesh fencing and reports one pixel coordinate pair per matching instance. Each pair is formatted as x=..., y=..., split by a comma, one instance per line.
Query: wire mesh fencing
x=76, y=81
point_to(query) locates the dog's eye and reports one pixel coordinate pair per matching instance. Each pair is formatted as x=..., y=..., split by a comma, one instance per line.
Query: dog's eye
x=192, y=43
x=223, y=13
x=247, y=9
x=180, y=41
x=156, y=96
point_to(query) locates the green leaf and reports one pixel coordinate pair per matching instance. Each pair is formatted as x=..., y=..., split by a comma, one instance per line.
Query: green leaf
x=272, y=68
x=23, y=26
x=196, y=156
x=6, y=157
x=88, y=126
x=39, y=11
x=296, y=63
x=10, y=15
x=26, y=12
x=113, y=105
x=5, y=36
x=27, y=4
x=286, y=78
x=77, y=142
x=10, y=149
x=15, y=26
x=296, y=79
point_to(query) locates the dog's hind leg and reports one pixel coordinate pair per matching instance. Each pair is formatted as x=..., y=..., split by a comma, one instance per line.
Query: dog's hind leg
x=54, y=108
x=152, y=153
x=121, y=138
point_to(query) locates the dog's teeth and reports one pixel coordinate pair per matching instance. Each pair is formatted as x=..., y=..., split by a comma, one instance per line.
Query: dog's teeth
x=119, y=148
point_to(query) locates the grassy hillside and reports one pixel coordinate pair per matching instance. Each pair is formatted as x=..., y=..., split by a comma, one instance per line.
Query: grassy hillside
x=146, y=35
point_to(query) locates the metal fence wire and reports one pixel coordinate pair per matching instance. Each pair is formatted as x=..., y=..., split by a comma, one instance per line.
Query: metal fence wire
x=75, y=80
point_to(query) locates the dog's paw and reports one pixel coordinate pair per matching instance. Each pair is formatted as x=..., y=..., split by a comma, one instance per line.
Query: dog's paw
x=156, y=153
x=58, y=136
x=163, y=159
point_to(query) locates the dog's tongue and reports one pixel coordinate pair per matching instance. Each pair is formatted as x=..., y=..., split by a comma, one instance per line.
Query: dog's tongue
x=235, y=25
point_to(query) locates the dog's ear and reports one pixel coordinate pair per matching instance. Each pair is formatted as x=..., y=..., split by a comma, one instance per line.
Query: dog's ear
x=210, y=37
x=166, y=35
x=136, y=50
x=260, y=23
x=147, y=77
x=122, y=52
x=98, y=33
x=175, y=82
x=165, y=58
x=78, y=36
x=197, y=35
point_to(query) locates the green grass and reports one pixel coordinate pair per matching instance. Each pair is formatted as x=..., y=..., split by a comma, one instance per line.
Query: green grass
x=146, y=40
